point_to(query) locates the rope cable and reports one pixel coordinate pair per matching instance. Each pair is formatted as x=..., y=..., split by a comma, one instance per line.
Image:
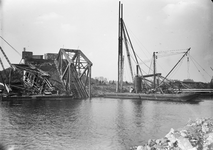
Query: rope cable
x=143, y=61
x=199, y=65
x=10, y=45
x=138, y=42
x=150, y=68
x=176, y=69
x=193, y=61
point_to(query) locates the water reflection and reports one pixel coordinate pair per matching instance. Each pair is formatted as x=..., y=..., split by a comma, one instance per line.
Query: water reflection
x=93, y=124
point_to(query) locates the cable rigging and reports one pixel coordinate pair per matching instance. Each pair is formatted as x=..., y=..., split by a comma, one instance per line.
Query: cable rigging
x=136, y=39
x=193, y=60
x=10, y=45
x=174, y=66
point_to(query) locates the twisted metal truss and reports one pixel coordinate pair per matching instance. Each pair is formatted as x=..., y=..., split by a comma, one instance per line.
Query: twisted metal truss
x=74, y=69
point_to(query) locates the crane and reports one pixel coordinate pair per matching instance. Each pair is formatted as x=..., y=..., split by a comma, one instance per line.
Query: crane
x=185, y=54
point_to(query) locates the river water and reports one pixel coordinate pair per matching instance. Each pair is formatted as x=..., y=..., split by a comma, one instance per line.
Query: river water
x=93, y=124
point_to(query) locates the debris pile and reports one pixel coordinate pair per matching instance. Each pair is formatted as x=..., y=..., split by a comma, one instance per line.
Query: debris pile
x=196, y=135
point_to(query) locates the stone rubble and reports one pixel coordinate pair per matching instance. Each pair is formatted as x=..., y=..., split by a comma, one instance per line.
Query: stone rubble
x=196, y=135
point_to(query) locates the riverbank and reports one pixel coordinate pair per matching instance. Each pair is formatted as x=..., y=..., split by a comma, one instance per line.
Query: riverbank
x=99, y=90
x=196, y=135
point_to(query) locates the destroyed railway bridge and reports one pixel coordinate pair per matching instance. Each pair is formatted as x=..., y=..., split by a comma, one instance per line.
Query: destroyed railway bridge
x=72, y=67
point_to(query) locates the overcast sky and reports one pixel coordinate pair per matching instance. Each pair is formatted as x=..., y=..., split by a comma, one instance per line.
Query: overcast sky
x=45, y=26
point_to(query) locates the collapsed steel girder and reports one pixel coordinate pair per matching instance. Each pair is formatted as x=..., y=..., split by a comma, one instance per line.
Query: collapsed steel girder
x=35, y=81
x=74, y=69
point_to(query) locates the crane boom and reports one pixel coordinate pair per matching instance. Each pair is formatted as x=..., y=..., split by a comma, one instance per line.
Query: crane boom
x=128, y=55
x=2, y=64
x=171, y=51
x=5, y=56
x=175, y=65
x=136, y=59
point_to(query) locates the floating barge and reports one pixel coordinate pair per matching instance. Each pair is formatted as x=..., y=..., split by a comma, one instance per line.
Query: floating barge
x=182, y=97
x=36, y=97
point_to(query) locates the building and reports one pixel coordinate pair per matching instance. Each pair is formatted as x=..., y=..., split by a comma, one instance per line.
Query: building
x=50, y=56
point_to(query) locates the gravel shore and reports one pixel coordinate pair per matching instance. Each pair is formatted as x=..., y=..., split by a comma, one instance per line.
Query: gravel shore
x=196, y=135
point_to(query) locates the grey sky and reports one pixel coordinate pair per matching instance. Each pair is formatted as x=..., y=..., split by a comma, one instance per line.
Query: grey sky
x=45, y=26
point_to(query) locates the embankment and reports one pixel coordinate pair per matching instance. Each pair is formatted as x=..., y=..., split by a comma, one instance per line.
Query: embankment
x=196, y=135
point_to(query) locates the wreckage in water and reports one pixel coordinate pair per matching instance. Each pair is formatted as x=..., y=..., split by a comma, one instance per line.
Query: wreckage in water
x=63, y=75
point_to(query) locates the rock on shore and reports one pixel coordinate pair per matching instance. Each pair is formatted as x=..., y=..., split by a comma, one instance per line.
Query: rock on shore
x=196, y=135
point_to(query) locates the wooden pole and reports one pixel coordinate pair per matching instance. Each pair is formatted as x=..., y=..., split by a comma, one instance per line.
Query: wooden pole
x=154, y=70
x=90, y=82
x=120, y=49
